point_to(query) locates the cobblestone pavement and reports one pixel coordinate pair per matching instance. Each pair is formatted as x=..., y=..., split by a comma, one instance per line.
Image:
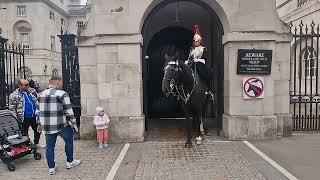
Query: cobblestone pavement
x=163, y=156
x=95, y=163
x=212, y=160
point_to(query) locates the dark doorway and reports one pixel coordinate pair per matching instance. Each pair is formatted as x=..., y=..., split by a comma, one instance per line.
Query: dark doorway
x=160, y=106
x=171, y=22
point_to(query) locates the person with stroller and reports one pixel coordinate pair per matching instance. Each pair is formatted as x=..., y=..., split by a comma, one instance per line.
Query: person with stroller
x=57, y=119
x=101, y=121
x=23, y=102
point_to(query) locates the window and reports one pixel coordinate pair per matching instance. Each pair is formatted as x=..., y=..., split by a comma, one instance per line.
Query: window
x=21, y=10
x=80, y=24
x=309, y=59
x=61, y=1
x=51, y=15
x=53, y=43
x=25, y=41
x=62, y=22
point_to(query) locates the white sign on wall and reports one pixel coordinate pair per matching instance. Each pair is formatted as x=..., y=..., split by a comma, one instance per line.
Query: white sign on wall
x=253, y=88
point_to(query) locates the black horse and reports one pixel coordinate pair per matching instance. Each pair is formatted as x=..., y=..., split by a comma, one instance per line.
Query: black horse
x=185, y=84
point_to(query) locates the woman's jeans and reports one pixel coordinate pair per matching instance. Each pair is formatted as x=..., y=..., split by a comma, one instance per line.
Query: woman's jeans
x=67, y=136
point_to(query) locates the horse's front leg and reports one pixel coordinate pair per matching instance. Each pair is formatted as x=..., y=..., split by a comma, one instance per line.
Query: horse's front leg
x=198, y=123
x=188, y=144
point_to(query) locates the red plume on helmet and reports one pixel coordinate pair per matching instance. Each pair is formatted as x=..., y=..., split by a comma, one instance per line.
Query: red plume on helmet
x=196, y=30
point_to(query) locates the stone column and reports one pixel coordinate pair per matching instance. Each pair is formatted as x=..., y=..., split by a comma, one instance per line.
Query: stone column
x=259, y=118
x=112, y=79
x=89, y=89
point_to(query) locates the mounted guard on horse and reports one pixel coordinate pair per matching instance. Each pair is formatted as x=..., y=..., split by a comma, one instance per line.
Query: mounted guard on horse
x=198, y=56
x=188, y=82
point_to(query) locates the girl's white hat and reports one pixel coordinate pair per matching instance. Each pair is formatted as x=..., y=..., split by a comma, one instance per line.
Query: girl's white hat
x=99, y=109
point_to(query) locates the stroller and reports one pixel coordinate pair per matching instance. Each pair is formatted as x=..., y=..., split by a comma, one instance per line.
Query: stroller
x=13, y=143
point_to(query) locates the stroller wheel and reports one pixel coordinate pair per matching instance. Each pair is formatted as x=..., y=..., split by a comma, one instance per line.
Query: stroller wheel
x=37, y=156
x=11, y=167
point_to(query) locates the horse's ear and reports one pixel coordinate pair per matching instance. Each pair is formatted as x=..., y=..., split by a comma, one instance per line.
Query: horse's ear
x=166, y=57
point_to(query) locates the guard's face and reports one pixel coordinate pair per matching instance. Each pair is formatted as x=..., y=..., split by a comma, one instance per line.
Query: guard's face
x=197, y=42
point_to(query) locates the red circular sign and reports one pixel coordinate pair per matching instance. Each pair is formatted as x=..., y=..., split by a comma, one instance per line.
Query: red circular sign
x=257, y=91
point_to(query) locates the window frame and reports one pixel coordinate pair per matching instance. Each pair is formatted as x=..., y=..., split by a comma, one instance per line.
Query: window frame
x=80, y=24
x=51, y=15
x=25, y=44
x=52, y=43
x=63, y=22
x=19, y=10
x=310, y=63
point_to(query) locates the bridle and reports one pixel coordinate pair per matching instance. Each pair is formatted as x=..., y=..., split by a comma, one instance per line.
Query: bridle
x=175, y=89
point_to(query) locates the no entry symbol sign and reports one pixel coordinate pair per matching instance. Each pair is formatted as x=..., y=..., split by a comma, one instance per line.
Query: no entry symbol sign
x=253, y=88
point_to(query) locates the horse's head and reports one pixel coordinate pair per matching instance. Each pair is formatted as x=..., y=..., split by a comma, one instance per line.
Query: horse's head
x=173, y=71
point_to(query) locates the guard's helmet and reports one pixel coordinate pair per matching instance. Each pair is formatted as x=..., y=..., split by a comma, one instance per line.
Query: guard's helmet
x=197, y=34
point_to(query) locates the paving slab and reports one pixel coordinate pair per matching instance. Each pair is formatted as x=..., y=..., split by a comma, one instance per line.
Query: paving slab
x=298, y=154
x=163, y=156
x=95, y=164
x=214, y=159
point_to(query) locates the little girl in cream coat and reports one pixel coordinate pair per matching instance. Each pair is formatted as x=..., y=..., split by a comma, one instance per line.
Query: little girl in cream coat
x=101, y=121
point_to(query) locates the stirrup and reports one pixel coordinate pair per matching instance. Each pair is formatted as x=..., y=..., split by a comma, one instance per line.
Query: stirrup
x=211, y=95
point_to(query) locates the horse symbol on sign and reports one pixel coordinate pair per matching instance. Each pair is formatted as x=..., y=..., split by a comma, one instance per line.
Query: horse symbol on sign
x=253, y=88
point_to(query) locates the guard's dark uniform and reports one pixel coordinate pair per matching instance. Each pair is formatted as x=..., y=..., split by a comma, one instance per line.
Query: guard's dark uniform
x=199, y=64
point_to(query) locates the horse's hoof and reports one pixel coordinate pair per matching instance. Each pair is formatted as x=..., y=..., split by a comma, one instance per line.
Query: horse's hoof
x=198, y=142
x=188, y=145
x=203, y=133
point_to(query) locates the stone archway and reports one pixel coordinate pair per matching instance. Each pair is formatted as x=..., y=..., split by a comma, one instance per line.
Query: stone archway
x=215, y=6
x=167, y=23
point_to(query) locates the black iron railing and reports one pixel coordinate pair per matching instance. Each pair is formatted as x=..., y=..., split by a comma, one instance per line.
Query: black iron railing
x=12, y=68
x=71, y=71
x=304, y=77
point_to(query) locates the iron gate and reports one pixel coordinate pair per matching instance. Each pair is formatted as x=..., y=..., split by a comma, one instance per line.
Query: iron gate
x=304, y=78
x=12, y=68
x=70, y=72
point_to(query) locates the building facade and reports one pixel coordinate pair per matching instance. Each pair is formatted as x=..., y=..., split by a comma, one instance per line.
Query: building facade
x=35, y=25
x=119, y=59
x=303, y=16
x=296, y=10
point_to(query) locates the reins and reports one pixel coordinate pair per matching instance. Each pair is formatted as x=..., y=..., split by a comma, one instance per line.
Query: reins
x=183, y=95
